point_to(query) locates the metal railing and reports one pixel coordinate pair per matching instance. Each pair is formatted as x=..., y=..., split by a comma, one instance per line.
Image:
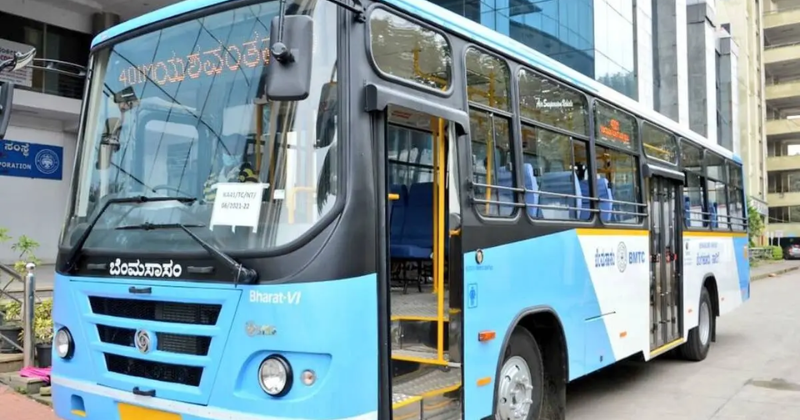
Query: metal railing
x=54, y=77
x=28, y=303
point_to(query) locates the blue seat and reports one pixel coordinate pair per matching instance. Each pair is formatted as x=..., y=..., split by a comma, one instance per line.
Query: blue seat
x=505, y=178
x=687, y=210
x=531, y=190
x=397, y=212
x=603, y=193
x=415, y=240
x=563, y=182
x=714, y=215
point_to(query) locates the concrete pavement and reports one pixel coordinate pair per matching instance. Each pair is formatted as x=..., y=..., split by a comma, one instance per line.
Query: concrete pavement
x=752, y=371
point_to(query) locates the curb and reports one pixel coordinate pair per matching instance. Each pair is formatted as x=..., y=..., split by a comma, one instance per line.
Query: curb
x=774, y=273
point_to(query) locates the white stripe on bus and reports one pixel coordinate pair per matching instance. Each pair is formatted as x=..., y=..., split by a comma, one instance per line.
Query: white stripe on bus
x=174, y=406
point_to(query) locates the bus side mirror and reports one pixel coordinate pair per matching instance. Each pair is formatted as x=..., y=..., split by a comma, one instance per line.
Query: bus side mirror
x=289, y=67
x=6, y=101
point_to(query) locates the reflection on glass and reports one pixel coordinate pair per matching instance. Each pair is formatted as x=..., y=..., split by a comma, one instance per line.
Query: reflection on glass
x=547, y=101
x=693, y=200
x=488, y=80
x=409, y=51
x=492, y=162
x=615, y=126
x=180, y=111
x=659, y=144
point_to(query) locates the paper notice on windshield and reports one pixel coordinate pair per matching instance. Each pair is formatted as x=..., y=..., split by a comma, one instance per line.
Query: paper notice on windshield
x=237, y=204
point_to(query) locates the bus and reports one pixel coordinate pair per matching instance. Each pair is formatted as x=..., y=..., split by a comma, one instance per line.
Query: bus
x=361, y=210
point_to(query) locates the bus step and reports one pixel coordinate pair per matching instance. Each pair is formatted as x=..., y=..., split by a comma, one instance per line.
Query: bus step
x=438, y=408
x=421, y=354
x=424, y=384
x=417, y=307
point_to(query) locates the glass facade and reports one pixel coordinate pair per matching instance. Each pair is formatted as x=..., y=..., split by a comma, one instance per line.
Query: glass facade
x=594, y=37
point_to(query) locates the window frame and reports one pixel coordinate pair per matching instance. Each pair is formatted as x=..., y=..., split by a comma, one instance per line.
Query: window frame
x=399, y=80
x=741, y=225
x=705, y=214
x=725, y=182
x=513, y=137
x=639, y=162
x=585, y=139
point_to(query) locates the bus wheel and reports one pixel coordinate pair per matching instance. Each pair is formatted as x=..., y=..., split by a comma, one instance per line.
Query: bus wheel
x=696, y=348
x=520, y=385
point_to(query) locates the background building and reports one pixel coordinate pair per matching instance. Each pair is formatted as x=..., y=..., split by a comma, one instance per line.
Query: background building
x=743, y=20
x=692, y=60
x=782, y=71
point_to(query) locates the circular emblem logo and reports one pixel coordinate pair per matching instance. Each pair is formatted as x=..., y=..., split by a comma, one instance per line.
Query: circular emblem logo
x=622, y=257
x=143, y=341
x=47, y=161
x=479, y=257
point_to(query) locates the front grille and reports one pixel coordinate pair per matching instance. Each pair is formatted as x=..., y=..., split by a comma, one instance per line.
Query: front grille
x=167, y=342
x=157, y=371
x=152, y=310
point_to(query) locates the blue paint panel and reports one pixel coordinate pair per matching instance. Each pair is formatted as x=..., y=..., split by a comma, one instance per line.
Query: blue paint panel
x=560, y=280
x=742, y=265
x=321, y=332
x=31, y=160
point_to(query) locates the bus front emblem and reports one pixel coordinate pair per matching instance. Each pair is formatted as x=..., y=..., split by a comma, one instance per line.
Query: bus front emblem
x=143, y=341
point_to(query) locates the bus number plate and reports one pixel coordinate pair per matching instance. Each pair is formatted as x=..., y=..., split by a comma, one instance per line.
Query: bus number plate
x=133, y=412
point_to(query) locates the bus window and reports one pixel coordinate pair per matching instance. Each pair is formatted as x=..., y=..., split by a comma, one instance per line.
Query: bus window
x=404, y=50
x=549, y=102
x=492, y=163
x=554, y=159
x=717, y=194
x=659, y=144
x=736, y=194
x=489, y=95
x=694, y=190
x=618, y=171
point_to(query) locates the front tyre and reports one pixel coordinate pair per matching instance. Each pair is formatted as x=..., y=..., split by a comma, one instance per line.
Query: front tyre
x=520, y=385
x=696, y=348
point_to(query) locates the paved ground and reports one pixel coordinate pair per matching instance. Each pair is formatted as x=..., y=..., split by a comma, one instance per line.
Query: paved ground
x=752, y=372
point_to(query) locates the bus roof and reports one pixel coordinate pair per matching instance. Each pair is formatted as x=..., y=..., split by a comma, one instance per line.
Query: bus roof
x=469, y=30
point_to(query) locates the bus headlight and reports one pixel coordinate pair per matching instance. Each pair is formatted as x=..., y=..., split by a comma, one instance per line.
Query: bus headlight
x=64, y=344
x=275, y=376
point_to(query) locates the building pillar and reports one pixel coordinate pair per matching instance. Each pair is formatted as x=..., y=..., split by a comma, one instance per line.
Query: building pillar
x=729, y=93
x=102, y=21
x=671, y=91
x=702, y=68
x=643, y=51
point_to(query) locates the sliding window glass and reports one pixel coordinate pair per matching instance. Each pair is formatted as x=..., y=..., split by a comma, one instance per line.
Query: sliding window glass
x=489, y=93
x=717, y=176
x=694, y=202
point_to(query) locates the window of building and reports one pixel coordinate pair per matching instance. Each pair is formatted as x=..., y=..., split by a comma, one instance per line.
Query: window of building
x=411, y=52
x=548, y=102
x=53, y=43
x=489, y=95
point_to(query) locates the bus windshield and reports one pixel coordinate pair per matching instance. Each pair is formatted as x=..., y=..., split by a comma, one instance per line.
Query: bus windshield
x=181, y=112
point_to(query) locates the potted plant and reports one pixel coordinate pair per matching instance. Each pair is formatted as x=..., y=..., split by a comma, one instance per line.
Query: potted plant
x=11, y=327
x=43, y=332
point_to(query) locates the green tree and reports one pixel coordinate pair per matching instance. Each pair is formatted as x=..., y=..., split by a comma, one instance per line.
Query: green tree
x=755, y=226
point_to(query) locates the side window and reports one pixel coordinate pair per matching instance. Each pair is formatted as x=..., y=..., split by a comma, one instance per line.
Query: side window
x=695, y=213
x=617, y=185
x=490, y=125
x=555, y=173
x=659, y=144
x=736, y=201
x=405, y=50
x=717, y=176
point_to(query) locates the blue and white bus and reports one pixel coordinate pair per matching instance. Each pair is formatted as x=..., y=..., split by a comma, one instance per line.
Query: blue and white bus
x=373, y=210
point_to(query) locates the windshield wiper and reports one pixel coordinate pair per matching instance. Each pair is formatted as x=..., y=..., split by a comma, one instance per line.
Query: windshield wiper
x=70, y=263
x=241, y=273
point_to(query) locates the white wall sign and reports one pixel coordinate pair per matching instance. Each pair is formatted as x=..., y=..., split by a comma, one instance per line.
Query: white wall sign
x=21, y=77
x=237, y=204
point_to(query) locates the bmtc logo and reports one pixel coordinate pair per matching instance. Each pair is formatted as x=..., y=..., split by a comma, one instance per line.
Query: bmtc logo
x=621, y=258
x=47, y=161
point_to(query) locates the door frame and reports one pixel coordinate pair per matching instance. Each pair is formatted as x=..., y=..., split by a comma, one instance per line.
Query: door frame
x=676, y=180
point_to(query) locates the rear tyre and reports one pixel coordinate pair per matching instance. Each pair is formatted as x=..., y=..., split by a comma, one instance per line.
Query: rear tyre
x=699, y=342
x=520, y=385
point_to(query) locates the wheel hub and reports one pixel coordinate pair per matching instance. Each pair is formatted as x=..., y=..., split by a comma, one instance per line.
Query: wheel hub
x=515, y=392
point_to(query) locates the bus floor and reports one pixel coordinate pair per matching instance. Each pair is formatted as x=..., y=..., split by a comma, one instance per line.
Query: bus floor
x=425, y=386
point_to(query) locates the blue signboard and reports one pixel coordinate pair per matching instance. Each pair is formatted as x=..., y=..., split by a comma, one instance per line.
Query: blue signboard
x=30, y=160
